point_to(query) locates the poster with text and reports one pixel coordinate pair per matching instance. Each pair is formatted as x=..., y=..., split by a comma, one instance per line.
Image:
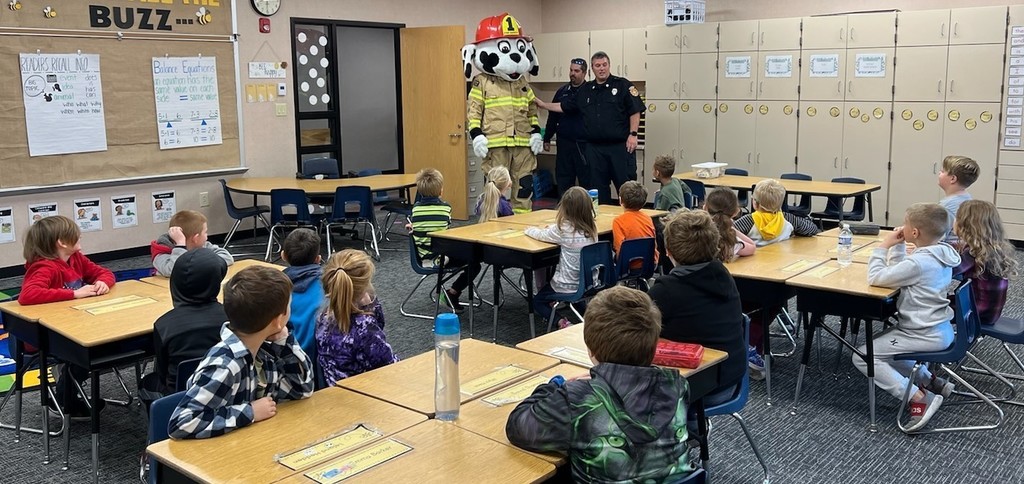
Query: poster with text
x=6, y=225
x=39, y=211
x=187, y=101
x=123, y=211
x=163, y=206
x=63, y=103
x=87, y=214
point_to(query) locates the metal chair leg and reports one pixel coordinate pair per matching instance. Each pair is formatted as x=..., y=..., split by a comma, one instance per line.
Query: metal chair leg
x=407, y=298
x=551, y=319
x=753, y=446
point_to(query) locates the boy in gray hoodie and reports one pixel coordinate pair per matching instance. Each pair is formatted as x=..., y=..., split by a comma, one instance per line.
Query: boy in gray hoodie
x=923, y=278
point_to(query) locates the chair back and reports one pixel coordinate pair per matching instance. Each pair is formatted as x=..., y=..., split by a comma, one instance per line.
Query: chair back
x=699, y=193
x=352, y=195
x=328, y=167
x=414, y=260
x=966, y=319
x=742, y=392
x=597, y=268
x=289, y=197
x=380, y=196
x=835, y=204
x=632, y=250
x=159, y=418
x=229, y=203
x=742, y=195
x=185, y=370
x=804, y=206
x=698, y=476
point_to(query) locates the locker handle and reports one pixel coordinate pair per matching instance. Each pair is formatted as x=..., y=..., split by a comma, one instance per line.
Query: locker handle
x=760, y=87
x=942, y=29
x=846, y=163
x=554, y=71
x=938, y=86
x=951, y=81
x=625, y=69
x=835, y=162
x=675, y=87
x=682, y=86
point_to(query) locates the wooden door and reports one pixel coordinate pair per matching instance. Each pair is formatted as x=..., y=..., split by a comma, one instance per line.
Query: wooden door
x=978, y=25
x=697, y=130
x=974, y=73
x=634, y=55
x=609, y=42
x=696, y=38
x=776, y=135
x=778, y=76
x=871, y=30
x=869, y=74
x=922, y=27
x=739, y=35
x=823, y=75
x=824, y=32
x=866, y=131
x=916, y=157
x=698, y=76
x=663, y=39
x=663, y=76
x=737, y=75
x=735, y=141
x=546, y=46
x=972, y=129
x=820, y=136
x=921, y=73
x=779, y=34
x=434, y=113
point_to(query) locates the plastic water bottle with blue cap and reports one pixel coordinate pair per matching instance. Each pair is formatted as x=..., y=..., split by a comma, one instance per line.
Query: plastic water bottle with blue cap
x=446, y=381
x=845, y=246
x=593, y=199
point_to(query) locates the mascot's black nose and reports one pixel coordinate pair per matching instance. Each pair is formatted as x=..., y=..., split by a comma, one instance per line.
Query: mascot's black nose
x=515, y=57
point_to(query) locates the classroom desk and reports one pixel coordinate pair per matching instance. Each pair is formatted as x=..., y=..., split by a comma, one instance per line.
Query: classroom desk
x=824, y=247
x=250, y=454
x=761, y=281
x=834, y=232
x=410, y=383
x=68, y=331
x=843, y=292
x=263, y=185
x=165, y=282
x=605, y=216
x=444, y=453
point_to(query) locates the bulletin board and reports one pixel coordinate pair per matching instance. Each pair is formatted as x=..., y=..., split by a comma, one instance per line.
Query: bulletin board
x=126, y=35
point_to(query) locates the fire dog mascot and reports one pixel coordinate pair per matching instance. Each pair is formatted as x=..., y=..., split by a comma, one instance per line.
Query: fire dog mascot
x=502, y=117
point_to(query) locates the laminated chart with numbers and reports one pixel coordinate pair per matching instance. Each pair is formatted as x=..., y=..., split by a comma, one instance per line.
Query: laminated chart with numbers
x=187, y=101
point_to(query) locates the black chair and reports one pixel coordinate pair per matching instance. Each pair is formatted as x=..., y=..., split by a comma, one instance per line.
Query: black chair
x=742, y=195
x=344, y=196
x=802, y=209
x=834, y=209
x=241, y=213
x=185, y=370
x=328, y=167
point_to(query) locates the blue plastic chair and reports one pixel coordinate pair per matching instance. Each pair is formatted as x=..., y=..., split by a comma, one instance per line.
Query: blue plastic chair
x=185, y=370
x=159, y=419
x=380, y=197
x=741, y=194
x=295, y=199
x=633, y=250
x=734, y=405
x=834, y=209
x=344, y=196
x=802, y=209
x=698, y=476
x=1008, y=331
x=328, y=167
x=241, y=213
x=699, y=192
x=597, y=272
x=968, y=329
x=425, y=272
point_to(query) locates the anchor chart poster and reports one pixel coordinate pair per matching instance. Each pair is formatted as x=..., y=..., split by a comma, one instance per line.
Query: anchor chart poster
x=63, y=103
x=187, y=101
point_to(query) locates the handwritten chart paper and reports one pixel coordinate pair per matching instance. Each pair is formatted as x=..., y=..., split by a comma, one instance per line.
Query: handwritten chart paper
x=63, y=103
x=329, y=448
x=187, y=101
x=358, y=461
x=493, y=379
x=116, y=304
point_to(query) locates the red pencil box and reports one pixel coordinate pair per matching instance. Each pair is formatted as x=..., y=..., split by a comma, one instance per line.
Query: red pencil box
x=678, y=355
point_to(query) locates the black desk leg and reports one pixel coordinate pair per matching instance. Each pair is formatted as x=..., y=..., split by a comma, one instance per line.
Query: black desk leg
x=94, y=414
x=496, y=275
x=702, y=436
x=869, y=358
x=440, y=284
x=471, y=287
x=44, y=397
x=19, y=386
x=766, y=337
x=810, y=322
x=529, y=302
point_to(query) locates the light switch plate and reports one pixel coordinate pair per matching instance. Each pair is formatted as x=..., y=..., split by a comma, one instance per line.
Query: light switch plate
x=281, y=109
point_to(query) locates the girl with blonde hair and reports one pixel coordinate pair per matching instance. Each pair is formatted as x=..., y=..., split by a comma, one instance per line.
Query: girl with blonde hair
x=986, y=256
x=492, y=203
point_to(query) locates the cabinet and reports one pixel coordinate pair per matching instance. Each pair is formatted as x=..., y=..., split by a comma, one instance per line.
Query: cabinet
x=828, y=32
x=663, y=39
x=978, y=25
x=662, y=128
x=966, y=132
x=664, y=73
x=684, y=129
x=866, y=131
x=696, y=38
x=921, y=73
x=775, y=138
x=974, y=73
x=634, y=55
x=821, y=139
x=778, y=75
x=871, y=30
x=779, y=34
x=823, y=75
x=740, y=35
x=737, y=75
x=609, y=42
x=554, y=51
x=735, y=142
x=869, y=74
x=922, y=27
x=698, y=77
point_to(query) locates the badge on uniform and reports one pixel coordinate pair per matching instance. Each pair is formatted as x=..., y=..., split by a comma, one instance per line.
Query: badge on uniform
x=633, y=91
x=615, y=91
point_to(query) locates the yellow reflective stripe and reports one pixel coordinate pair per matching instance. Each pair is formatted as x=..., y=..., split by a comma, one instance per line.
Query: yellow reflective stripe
x=518, y=103
x=476, y=94
x=530, y=95
x=508, y=141
x=474, y=123
x=534, y=120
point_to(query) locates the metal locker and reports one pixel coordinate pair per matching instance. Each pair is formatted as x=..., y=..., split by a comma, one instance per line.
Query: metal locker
x=972, y=129
x=634, y=55
x=662, y=39
x=697, y=130
x=779, y=34
x=609, y=42
x=775, y=137
x=698, y=76
x=823, y=75
x=737, y=75
x=869, y=74
x=735, y=141
x=978, y=25
x=778, y=77
x=866, y=131
x=739, y=35
x=820, y=136
x=697, y=38
x=922, y=27
x=871, y=30
x=917, y=154
x=921, y=73
x=828, y=32
x=661, y=128
x=663, y=76
x=974, y=73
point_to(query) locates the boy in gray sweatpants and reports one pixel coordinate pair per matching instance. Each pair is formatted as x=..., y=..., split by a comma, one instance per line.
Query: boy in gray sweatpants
x=923, y=278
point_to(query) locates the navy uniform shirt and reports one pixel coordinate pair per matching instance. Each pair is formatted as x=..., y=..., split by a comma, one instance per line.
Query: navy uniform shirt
x=568, y=127
x=606, y=108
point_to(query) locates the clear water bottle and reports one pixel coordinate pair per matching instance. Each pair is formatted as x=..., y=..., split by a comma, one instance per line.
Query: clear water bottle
x=845, y=246
x=593, y=199
x=446, y=381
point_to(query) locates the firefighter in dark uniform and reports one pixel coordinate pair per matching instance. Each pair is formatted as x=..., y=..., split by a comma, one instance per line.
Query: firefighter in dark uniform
x=611, y=108
x=570, y=164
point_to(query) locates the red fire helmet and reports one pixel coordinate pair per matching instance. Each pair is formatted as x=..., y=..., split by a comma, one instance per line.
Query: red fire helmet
x=498, y=26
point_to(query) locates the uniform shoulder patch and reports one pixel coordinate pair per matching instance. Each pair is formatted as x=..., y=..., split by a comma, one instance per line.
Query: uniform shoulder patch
x=476, y=82
x=633, y=91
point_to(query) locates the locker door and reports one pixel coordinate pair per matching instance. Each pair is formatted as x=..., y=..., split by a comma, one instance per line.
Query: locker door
x=662, y=127
x=735, y=141
x=570, y=45
x=779, y=34
x=698, y=76
x=737, y=75
x=974, y=73
x=697, y=130
x=871, y=30
x=773, y=80
x=921, y=73
x=634, y=55
x=823, y=75
x=978, y=25
x=546, y=46
x=916, y=156
x=922, y=27
x=697, y=38
x=966, y=132
x=740, y=35
x=663, y=39
x=866, y=130
x=663, y=76
x=869, y=74
x=820, y=147
x=775, y=135
x=824, y=32
x=609, y=42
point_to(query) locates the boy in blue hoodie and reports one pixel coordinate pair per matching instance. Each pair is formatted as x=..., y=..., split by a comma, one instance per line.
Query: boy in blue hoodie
x=301, y=250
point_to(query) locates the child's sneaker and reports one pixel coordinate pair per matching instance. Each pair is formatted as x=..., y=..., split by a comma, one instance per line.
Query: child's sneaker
x=756, y=363
x=940, y=386
x=563, y=323
x=452, y=297
x=921, y=412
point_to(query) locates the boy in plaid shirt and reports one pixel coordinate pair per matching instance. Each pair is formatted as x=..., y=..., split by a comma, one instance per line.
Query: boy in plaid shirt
x=256, y=363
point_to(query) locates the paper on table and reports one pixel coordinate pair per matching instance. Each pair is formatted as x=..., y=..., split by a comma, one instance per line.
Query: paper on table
x=505, y=234
x=517, y=392
x=822, y=271
x=116, y=304
x=574, y=355
x=493, y=379
x=799, y=266
x=358, y=461
x=328, y=448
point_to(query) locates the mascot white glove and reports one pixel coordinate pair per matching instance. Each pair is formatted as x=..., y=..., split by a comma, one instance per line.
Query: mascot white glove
x=480, y=146
x=536, y=143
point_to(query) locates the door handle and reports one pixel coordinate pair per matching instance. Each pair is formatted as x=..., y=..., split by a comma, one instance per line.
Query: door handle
x=852, y=31
x=760, y=87
x=846, y=163
x=676, y=41
x=938, y=86
x=942, y=29
x=839, y=87
x=849, y=86
x=841, y=32
x=682, y=86
x=951, y=81
x=758, y=159
x=554, y=71
x=935, y=167
x=835, y=162
x=685, y=43
x=955, y=25
x=751, y=38
x=748, y=157
x=625, y=69
x=751, y=86
x=675, y=87
x=762, y=39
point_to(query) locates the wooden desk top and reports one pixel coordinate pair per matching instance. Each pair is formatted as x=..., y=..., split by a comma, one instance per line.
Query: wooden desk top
x=489, y=421
x=263, y=185
x=248, y=454
x=572, y=337
x=823, y=247
x=822, y=188
x=772, y=266
x=90, y=330
x=165, y=282
x=444, y=453
x=410, y=383
x=497, y=234
x=852, y=279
